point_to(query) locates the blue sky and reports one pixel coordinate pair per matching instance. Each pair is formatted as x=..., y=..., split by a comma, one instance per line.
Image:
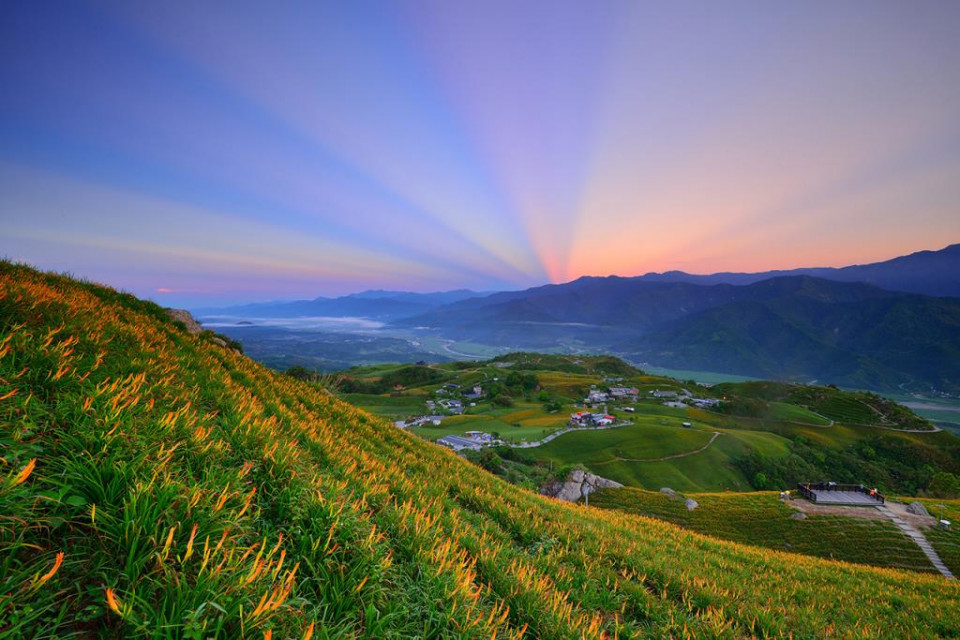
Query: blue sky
x=219, y=152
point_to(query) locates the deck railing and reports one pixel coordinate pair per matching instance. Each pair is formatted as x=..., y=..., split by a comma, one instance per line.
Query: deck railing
x=808, y=490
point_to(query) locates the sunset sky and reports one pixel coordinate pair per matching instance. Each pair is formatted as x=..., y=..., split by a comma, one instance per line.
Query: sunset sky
x=215, y=152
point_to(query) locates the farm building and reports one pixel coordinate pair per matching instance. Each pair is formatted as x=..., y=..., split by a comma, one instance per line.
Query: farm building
x=473, y=440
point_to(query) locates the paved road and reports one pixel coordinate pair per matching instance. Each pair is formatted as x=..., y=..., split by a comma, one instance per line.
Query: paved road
x=557, y=434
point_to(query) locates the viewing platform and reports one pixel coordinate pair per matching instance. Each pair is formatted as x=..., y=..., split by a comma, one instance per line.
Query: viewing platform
x=831, y=493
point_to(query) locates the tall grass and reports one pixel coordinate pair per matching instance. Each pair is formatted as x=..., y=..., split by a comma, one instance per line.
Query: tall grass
x=154, y=484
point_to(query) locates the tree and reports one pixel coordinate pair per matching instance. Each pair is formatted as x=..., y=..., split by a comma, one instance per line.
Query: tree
x=490, y=461
x=302, y=373
x=944, y=485
x=503, y=400
x=760, y=480
x=553, y=406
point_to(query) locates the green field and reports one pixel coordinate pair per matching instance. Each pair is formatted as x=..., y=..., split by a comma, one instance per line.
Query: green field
x=395, y=407
x=761, y=419
x=626, y=455
x=646, y=439
x=792, y=413
x=458, y=425
x=761, y=519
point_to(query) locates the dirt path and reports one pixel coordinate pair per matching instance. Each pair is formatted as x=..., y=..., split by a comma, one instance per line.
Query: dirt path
x=934, y=430
x=673, y=457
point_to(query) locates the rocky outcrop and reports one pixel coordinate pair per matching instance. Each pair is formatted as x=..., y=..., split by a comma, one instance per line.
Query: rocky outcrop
x=182, y=315
x=918, y=509
x=692, y=504
x=572, y=489
x=670, y=493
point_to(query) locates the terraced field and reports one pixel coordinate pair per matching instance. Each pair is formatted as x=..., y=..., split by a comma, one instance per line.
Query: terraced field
x=762, y=519
x=793, y=413
x=156, y=484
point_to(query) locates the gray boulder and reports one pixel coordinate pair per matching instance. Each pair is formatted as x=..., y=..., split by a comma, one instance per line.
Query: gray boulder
x=670, y=493
x=572, y=489
x=918, y=509
x=799, y=515
x=692, y=504
x=182, y=315
x=597, y=482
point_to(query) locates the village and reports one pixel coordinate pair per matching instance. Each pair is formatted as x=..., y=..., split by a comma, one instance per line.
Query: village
x=595, y=411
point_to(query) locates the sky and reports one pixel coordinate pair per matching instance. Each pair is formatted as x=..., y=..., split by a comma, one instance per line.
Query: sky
x=221, y=152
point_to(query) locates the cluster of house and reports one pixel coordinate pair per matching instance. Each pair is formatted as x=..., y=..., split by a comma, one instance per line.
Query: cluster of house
x=448, y=389
x=587, y=419
x=419, y=421
x=452, y=405
x=474, y=394
x=703, y=403
x=596, y=396
x=470, y=440
x=683, y=399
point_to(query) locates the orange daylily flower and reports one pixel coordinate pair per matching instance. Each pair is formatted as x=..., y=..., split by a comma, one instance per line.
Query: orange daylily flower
x=25, y=472
x=53, y=570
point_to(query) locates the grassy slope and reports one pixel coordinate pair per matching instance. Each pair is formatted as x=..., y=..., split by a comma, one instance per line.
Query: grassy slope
x=760, y=518
x=946, y=542
x=195, y=493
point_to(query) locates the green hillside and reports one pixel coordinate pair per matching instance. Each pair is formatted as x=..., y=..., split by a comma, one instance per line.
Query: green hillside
x=772, y=435
x=156, y=484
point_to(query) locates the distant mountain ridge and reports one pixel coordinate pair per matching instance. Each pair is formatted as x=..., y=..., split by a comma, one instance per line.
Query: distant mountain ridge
x=375, y=304
x=930, y=273
x=792, y=327
x=812, y=329
x=883, y=326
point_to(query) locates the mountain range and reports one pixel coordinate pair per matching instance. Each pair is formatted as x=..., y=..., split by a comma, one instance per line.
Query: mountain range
x=885, y=326
x=375, y=304
x=930, y=273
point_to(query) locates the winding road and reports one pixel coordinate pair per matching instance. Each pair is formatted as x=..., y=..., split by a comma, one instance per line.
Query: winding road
x=557, y=434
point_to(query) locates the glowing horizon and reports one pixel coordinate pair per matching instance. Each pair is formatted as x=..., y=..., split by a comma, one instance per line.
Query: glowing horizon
x=209, y=154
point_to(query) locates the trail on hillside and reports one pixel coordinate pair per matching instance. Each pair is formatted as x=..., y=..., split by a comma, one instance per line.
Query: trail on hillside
x=673, y=457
